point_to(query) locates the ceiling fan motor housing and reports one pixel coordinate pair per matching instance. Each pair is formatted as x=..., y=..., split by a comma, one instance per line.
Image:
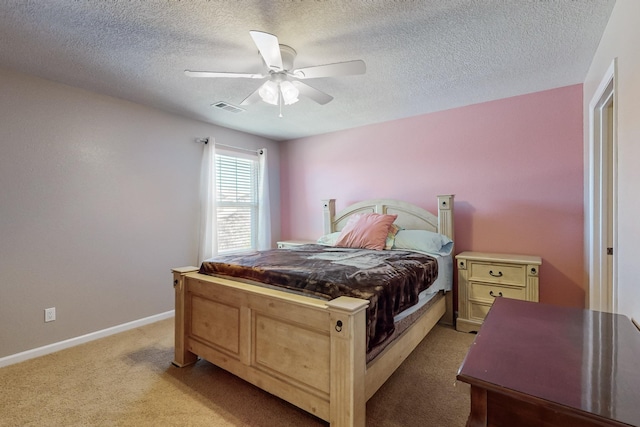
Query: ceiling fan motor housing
x=288, y=55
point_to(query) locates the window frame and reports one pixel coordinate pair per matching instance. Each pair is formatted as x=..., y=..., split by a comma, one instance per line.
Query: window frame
x=251, y=159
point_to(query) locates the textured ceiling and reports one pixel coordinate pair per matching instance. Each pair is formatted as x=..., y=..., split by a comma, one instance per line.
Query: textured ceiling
x=421, y=56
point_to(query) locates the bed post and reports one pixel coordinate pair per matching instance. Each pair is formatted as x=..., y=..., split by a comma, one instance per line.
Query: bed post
x=347, y=399
x=328, y=213
x=445, y=215
x=445, y=226
x=182, y=356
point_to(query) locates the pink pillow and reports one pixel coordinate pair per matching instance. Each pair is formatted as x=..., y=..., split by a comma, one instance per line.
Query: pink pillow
x=367, y=231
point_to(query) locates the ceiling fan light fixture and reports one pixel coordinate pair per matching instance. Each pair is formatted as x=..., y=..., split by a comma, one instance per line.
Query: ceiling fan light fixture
x=289, y=92
x=269, y=92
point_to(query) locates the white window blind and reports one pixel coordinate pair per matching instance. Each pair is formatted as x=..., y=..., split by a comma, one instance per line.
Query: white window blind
x=237, y=201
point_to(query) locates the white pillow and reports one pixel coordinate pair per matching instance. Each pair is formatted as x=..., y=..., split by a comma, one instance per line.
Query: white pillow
x=424, y=241
x=329, y=239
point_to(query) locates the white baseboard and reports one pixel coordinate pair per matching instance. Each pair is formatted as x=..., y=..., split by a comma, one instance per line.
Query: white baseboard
x=71, y=342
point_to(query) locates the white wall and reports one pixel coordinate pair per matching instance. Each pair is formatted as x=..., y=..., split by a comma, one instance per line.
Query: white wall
x=98, y=201
x=620, y=40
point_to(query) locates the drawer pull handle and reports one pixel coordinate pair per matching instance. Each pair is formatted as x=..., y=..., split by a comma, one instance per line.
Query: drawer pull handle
x=495, y=275
x=495, y=296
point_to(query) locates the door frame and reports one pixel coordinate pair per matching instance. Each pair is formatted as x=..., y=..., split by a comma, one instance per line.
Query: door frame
x=602, y=294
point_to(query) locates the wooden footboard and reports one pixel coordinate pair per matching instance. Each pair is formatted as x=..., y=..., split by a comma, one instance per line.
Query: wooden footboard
x=306, y=351
x=309, y=352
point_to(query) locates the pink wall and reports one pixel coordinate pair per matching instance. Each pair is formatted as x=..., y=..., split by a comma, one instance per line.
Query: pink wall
x=515, y=166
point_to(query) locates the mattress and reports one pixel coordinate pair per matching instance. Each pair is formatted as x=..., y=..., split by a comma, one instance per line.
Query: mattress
x=444, y=282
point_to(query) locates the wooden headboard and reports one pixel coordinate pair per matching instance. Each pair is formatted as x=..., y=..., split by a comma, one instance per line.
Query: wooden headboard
x=410, y=217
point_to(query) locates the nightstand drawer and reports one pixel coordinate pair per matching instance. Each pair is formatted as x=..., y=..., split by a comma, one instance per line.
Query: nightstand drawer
x=487, y=292
x=478, y=311
x=515, y=275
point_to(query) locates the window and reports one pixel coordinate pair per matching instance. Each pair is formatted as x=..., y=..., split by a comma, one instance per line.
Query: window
x=237, y=201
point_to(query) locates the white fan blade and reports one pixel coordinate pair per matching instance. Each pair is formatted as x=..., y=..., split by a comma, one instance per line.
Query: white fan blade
x=348, y=68
x=313, y=93
x=254, y=97
x=221, y=74
x=269, y=48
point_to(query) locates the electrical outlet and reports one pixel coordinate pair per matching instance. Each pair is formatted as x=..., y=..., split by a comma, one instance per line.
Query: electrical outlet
x=49, y=314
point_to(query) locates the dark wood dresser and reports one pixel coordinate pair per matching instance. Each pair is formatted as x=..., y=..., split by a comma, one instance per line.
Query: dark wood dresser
x=536, y=364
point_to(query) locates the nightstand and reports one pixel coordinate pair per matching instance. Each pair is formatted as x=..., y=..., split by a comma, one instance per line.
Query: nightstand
x=288, y=244
x=483, y=277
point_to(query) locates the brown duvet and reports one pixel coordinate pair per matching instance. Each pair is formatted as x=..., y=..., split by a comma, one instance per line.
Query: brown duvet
x=390, y=280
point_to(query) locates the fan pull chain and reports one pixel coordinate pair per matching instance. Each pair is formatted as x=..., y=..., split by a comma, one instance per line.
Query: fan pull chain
x=280, y=100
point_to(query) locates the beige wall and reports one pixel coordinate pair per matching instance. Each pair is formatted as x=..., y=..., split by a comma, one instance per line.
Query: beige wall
x=98, y=200
x=620, y=41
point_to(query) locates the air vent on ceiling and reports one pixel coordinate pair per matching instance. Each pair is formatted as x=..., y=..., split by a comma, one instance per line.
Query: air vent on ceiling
x=228, y=107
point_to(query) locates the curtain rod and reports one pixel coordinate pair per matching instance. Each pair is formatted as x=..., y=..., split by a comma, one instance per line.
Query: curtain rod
x=206, y=141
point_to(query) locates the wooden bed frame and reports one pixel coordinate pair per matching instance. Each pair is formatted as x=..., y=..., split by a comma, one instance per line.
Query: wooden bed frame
x=309, y=352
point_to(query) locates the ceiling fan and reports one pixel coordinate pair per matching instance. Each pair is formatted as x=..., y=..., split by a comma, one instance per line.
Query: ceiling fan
x=283, y=83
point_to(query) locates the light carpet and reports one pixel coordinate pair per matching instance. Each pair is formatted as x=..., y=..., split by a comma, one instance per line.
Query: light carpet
x=128, y=380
